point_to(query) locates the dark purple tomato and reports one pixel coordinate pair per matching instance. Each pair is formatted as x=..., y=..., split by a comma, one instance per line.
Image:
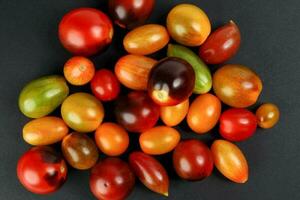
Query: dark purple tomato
x=171, y=81
x=41, y=170
x=193, y=160
x=136, y=112
x=111, y=179
x=130, y=13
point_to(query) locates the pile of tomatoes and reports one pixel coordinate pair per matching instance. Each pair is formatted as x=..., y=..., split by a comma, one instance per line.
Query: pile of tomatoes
x=157, y=89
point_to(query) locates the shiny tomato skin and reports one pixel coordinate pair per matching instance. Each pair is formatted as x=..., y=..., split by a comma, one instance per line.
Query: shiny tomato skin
x=41, y=170
x=237, y=124
x=192, y=160
x=85, y=31
x=111, y=179
x=267, y=115
x=105, y=85
x=173, y=115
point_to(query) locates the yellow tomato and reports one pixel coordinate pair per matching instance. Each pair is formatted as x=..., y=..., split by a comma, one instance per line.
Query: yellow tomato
x=173, y=115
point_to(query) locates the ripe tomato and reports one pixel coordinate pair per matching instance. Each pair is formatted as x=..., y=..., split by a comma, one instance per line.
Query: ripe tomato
x=112, y=139
x=267, y=115
x=85, y=31
x=79, y=70
x=105, y=85
x=173, y=115
x=41, y=170
x=237, y=124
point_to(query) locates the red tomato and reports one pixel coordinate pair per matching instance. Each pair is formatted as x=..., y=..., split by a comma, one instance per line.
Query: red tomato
x=85, y=31
x=237, y=124
x=41, y=170
x=105, y=85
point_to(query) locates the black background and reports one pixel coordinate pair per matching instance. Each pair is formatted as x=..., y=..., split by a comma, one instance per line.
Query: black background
x=29, y=48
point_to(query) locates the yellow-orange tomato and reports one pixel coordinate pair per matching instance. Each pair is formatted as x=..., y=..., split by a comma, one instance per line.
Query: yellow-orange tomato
x=204, y=113
x=82, y=112
x=159, y=140
x=45, y=131
x=188, y=25
x=133, y=71
x=173, y=115
x=112, y=139
x=79, y=70
x=230, y=161
x=146, y=39
x=267, y=115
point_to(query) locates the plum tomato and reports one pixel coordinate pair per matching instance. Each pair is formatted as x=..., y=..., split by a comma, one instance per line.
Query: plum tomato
x=130, y=13
x=111, y=179
x=221, y=45
x=82, y=112
x=173, y=115
x=204, y=113
x=230, y=161
x=145, y=40
x=112, y=139
x=171, y=81
x=150, y=172
x=41, y=170
x=193, y=160
x=133, y=71
x=79, y=70
x=80, y=151
x=105, y=85
x=188, y=25
x=136, y=112
x=159, y=140
x=237, y=85
x=237, y=124
x=85, y=31
x=267, y=115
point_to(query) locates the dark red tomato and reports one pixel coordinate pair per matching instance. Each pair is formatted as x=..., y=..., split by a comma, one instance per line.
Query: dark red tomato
x=130, y=13
x=41, y=170
x=111, y=179
x=105, y=85
x=221, y=45
x=150, y=172
x=193, y=160
x=237, y=124
x=85, y=31
x=137, y=112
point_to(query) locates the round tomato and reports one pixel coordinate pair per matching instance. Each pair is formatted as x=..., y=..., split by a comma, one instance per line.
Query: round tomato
x=267, y=115
x=173, y=115
x=105, y=85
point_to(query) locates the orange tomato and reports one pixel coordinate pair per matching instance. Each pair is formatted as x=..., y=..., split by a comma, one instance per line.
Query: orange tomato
x=173, y=115
x=112, y=139
x=204, y=113
x=230, y=161
x=45, y=131
x=79, y=70
x=267, y=115
x=159, y=140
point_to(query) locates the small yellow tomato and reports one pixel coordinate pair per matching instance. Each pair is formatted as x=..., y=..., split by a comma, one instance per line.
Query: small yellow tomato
x=267, y=115
x=173, y=115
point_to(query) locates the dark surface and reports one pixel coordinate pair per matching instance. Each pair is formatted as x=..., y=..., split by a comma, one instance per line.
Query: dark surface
x=270, y=45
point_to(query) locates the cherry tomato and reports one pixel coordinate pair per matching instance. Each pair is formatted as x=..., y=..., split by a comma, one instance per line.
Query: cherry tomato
x=237, y=85
x=221, y=45
x=41, y=170
x=159, y=140
x=150, y=172
x=112, y=139
x=204, y=113
x=79, y=70
x=111, y=179
x=82, y=112
x=173, y=115
x=105, y=85
x=188, y=25
x=130, y=13
x=80, y=151
x=137, y=112
x=192, y=160
x=230, y=161
x=85, y=31
x=237, y=124
x=267, y=115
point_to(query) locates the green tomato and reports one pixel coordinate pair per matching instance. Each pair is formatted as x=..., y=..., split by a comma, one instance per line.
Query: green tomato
x=203, y=81
x=42, y=96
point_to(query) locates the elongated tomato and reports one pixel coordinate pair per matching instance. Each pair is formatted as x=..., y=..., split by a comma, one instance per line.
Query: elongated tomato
x=173, y=115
